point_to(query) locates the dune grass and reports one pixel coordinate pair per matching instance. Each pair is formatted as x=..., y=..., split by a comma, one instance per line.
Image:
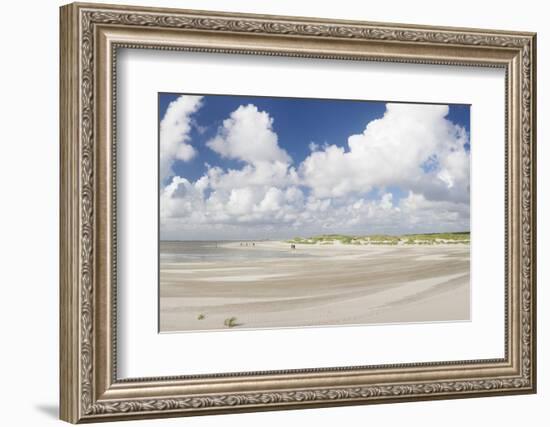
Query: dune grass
x=462, y=237
x=230, y=322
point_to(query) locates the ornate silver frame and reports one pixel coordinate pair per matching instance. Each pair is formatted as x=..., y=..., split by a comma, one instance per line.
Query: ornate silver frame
x=90, y=36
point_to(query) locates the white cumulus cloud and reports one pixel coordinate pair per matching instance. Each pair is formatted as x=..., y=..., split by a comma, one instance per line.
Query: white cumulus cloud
x=394, y=150
x=247, y=135
x=175, y=128
x=413, y=148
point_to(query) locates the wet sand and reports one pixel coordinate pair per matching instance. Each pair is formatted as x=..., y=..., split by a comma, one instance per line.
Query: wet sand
x=335, y=285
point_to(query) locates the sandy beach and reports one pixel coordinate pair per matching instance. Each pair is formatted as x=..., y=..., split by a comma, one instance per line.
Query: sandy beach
x=316, y=285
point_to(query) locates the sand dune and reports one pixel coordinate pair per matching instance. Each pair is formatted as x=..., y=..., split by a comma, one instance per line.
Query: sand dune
x=318, y=285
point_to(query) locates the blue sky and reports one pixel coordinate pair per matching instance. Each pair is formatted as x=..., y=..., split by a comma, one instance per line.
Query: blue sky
x=297, y=121
x=310, y=140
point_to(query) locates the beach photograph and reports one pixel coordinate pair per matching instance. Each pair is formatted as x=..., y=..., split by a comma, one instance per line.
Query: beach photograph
x=278, y=212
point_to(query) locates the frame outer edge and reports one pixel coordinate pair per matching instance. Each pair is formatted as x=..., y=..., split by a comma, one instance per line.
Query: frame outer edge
x=534, y=269
x=305, y=19
x=69, y=354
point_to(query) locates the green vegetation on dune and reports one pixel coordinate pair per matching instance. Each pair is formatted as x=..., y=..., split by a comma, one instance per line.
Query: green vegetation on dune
x=462, y=237
x=322, y=239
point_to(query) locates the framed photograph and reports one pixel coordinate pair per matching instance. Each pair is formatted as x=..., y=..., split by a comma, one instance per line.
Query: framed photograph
x=266, y=212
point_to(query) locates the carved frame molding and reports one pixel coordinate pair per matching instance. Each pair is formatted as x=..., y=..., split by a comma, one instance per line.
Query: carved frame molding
x=90, y=36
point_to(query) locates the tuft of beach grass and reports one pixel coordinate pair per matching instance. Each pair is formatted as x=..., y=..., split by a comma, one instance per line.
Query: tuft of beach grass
x=230, y=322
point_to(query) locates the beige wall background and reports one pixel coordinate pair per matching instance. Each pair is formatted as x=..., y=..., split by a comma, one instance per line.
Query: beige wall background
x=29, y=170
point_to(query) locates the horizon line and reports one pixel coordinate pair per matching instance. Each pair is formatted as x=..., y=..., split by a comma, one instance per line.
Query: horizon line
x=315, y=235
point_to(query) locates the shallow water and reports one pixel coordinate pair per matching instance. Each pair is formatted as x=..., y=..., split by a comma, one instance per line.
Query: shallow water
x=199, y=251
